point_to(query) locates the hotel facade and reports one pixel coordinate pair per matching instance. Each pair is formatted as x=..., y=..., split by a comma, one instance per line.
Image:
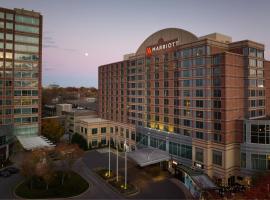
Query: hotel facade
x=204, y=100
x=20, y=76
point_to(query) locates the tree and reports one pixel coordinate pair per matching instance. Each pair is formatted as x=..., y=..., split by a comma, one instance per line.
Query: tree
x=261, y=188
x=80, y=140
x=67, y=154
x=52, y=129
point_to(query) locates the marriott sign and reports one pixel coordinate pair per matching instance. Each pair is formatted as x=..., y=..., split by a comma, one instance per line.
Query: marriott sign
x=161, y=46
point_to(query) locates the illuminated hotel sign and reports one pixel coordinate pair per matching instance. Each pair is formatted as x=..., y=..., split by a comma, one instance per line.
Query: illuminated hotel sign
x=161, y=46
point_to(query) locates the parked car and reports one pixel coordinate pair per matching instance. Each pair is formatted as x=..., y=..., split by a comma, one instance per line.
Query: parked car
x=5, y=173
x=12, y=170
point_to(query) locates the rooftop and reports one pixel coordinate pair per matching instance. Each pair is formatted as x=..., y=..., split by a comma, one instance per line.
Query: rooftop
x=93, y=120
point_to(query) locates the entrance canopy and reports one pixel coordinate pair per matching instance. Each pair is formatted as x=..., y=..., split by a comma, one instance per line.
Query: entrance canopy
x=148, y=156
x=31, y=142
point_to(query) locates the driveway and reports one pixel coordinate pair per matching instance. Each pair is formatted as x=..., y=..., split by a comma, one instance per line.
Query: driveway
x=150, y=187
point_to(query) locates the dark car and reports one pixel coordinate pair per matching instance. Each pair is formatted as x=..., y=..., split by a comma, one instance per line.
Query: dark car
x=12, y=170
x=4, y=173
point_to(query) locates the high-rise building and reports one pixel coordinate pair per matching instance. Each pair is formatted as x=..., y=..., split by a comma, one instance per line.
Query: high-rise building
x=20, y=75
x=204, y=100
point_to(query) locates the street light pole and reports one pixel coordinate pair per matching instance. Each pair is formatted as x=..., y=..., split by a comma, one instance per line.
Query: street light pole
x=110, y=154
x=117, y=158
x=125, y=163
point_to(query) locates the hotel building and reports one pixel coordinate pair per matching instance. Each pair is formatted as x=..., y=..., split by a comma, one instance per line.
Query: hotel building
x=204, y=100
x=20, y=75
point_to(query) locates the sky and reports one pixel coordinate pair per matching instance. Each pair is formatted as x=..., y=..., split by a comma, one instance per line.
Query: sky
x=108, y=29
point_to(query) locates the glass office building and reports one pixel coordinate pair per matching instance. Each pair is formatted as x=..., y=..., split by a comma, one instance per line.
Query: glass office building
x=20, y=75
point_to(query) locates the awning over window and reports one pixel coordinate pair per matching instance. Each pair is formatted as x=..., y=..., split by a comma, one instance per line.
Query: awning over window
x=31, y=142
x=147, y=156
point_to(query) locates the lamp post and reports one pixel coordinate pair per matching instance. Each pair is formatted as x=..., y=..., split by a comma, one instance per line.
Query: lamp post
x=125, y=146
x=116, y=141
x=110, y=154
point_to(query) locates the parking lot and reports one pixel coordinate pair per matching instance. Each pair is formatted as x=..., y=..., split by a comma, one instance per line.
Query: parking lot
x=7, y=185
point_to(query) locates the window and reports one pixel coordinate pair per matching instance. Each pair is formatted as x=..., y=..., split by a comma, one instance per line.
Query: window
x=94, y=130
x=28, y=29
x=217, y=104
x=26, y=39
x=199, y=135
x=199, y=103
x=217, y=126
x=103, y=129
x=260, y=134
x=199, y=93
x=199, y=114
x=199, y=82
x=186, y=151
x=199, y=124
x=27, y=20
x=187, y=122
x=217, y=115
x=186, y=83
x=217, y=93
x=258, y=161
x=217, y=137
x=199, y=154
x=217, y=158
x=186, y=73
x=243, y=160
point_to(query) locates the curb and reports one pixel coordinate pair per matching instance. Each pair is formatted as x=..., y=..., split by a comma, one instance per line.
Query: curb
x=113, y=188
x=90, y=185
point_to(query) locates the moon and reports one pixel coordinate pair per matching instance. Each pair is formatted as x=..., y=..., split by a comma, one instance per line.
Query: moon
x=86, y=54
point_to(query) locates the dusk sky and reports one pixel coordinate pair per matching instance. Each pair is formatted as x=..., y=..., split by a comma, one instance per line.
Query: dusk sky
x=108, y=29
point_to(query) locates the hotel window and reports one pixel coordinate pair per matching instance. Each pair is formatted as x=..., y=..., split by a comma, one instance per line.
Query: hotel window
x=199, y=61
x=199, y=154
x=103, y=130
x=252, y=52
x=243, y=160
x=2, y=15
x=9, y=16
x=252, y=62
x=186, y=53
x=199, y=103
x=260, y=53
x=217, y=126
x=259, y=161
x=199, y=93
x=217, y=104
x=9, y=26
x=166, y=84
x=94, y=130
x=217, y=138
x=217, y=157
x=166, y=119
x=186, y=63
x=166, y=110
x=199, y=82
x=199, y=114
x=217, y=82
x=199, y=124
x=166, y=101
x=260, y=83
x=186, y=151
x=252, y=72
x=186, y=73
x=186, y=83
x=186, y=93
x=199, y=135
x=156, y=109
x=199, y=71
x=187, y=122
x=217, y=115
x=260, y=134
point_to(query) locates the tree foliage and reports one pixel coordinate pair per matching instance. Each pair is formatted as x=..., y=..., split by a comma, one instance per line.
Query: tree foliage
x=80, y=140
x=52, y=129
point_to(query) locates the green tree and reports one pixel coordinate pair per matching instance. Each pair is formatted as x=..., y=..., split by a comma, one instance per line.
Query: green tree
x=80, y=140
x=52, y=129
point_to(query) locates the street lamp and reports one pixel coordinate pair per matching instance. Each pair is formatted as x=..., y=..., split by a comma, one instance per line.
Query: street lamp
x=110, y=154
x=116, y=141
x=125, y=148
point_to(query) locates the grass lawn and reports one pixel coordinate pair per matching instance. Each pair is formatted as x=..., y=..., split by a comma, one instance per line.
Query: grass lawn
x=74, y=185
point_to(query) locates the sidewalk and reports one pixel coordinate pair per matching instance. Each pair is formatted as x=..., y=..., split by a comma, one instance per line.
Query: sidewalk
x=182, y=187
